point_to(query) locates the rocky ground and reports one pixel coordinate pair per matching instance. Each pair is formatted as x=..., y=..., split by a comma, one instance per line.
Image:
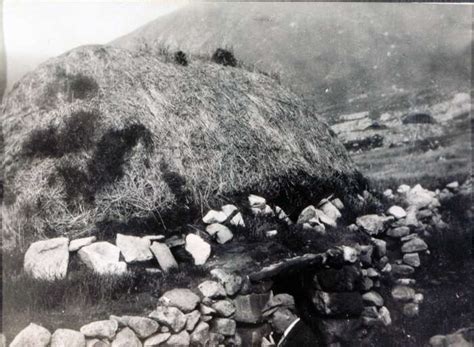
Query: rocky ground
x=367, y=292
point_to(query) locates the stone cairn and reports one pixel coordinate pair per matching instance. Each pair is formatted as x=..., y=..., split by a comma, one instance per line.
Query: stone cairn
x=232, y=309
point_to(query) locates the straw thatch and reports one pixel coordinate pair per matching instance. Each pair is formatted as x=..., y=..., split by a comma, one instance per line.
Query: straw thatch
x=102, y=133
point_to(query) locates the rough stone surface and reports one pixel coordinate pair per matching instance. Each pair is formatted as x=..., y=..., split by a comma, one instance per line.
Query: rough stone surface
x=307, y=214
x=97, y=343
x=67, y=338
x=402, y=270
x=238, y=220
x=380, y=247
x=397, y=211
x=102, y=258
x=414, y=245
x=248, y=308
x=32, y=336
x=164, y=256
x=77, y=244
x=229, y=209
x=403, y=293
x=330, y=210
x=212, y=289
x=349, y=254
x=181, y=298
x=47, y=259
x=419, y=197
x=224, y=326
x=171, y=317
x=133, y=248
x=256, y=201
x=156, y=340
x=142, y=326
x=200, y=335
x=192, y=318
x=224, y=235
x=232, y=283
x=214, y=217
x=384, y=314
x=412, y=259
x=372, y=224
x=411, y=310
x=224, y=308
x=373, y=298
x=398, y=232
x=126, y=338
x=181, y=339
x=104, y=329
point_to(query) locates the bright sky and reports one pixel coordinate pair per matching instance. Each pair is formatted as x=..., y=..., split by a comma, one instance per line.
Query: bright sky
x=36, y=30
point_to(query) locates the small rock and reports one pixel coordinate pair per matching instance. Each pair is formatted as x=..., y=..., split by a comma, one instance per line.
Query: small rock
x=224, y=308
x=373, y=298
x=67, y=338
x=271, y=233
x=403, y=293
x=402, y=270
x=338, y=203
x=366, y=284
x=206, y=310
x=212, y=290
x=411, y=220
x=453, y=185
x=102, y=258
x=257, y=201
x=307, y=214
x=419, y=197
x=238, y=220
x=438, y=341
x=175, y=241
x=406, y=281
x=152, y=238
x=330, y=210
x=171, y=317
x=349, y=254
x=414, y=245
x=403, y=189
x=164, y=256
x=134, y=249
x=388, y=193
x=126, y=338
x=156, y=340
x=47, y=259
x=352, y=228
x=181, y=339
x=398, y=232
x=380, y=247
x=104, y=329
x=142, y=326
x=192, y=318
x=397, y=211
x=199, y=249
x=384, y=314
x=411, y=310
x=232, y=283
x=409, y=237
x=181, y=298
x=418, y=299
x=224, y=326
x=221, y=232
x=77, y=244
x=33, y=335
x=214, y=217
x=412, y=259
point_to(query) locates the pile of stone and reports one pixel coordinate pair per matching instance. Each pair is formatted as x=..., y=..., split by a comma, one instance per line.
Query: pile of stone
x=209, y=315
x=324, y=216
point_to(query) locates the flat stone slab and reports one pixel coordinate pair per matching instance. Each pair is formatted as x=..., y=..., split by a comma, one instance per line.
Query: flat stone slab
x=134, y=249
x=47, y=259
x=77, y=244
x=102, y=258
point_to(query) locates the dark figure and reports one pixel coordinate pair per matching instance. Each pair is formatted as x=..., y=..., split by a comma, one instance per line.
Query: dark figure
x=224, y=57
x=180, y=58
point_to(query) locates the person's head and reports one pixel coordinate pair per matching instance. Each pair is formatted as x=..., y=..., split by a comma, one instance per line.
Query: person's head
x=281, y=319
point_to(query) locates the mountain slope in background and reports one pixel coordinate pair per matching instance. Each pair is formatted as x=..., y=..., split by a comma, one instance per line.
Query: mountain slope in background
x=329, y=53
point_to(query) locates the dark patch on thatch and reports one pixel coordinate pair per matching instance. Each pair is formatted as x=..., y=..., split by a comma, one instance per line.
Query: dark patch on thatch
x=224, y=57
x=53, y=142
x=181, y=58
x=82, y=87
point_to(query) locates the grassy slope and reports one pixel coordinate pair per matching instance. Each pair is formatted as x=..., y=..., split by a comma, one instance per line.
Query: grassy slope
x=348, y=49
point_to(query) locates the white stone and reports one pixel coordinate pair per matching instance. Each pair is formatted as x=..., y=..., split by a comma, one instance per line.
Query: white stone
x=68, y=338
x=134, y=249
x=388, y=193
x=77, y=244
x=181, y=339
x=126, y=338
x=231, y=282
x=397, y=211
x=182, y=298
x=372, y=224
x=104, y=329
x=453, y=185
x=154, y=237
x=214, y=216
x=419, y=197
x=212, y=290
x=256, y=201
x=403, y=189
x=199, y=249
x=171, y=317
x=156, y=340
x=228, y=210
x=32, y=336
x=238, y=220
x=221, y=232
x=331, y=211
x=271, y=233
x=103, y=258
x=349, y=254
x=47, y=259
x=164, y=256
x=338, y=204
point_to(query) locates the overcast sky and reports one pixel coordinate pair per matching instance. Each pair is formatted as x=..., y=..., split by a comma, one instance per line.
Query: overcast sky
x=36, y=30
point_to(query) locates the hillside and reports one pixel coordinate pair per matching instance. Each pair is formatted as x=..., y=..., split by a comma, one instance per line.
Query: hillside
x=329, y=53
x=103, y=134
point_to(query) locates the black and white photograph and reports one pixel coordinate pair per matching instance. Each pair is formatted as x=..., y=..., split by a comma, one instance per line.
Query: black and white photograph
x=244, y=174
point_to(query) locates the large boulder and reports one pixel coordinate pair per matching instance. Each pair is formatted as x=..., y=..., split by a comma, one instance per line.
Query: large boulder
x=47, y=259
x=103, y=258
x=152, y=148
x=32, y=336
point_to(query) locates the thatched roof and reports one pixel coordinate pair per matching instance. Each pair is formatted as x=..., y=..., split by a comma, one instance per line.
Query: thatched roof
x=102, y=133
